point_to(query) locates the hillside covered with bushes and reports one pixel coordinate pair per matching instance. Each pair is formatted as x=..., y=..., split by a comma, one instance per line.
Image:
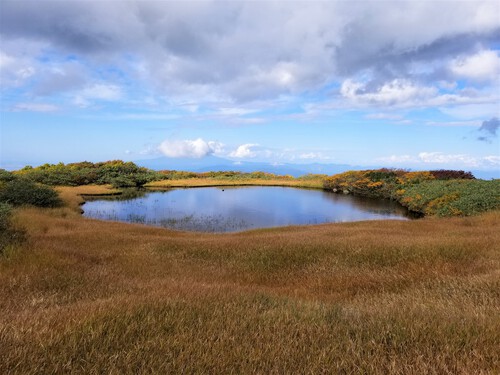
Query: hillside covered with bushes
x=441, y=193
x=115, y=172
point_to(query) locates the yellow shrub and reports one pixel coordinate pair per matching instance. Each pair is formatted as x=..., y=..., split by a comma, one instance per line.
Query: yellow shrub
x=415, y=177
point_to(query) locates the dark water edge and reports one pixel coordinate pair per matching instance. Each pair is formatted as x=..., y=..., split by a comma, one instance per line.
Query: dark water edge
x=233, y=209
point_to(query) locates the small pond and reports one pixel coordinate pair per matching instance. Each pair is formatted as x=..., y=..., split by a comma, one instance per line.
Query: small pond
x=232, y=209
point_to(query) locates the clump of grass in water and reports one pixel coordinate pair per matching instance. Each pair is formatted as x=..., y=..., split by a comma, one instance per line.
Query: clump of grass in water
x=174, y=222
x=103, y=215
x=137, y=219
x=205, y=223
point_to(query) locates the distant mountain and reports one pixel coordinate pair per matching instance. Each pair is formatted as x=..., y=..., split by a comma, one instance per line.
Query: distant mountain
x=212, y=163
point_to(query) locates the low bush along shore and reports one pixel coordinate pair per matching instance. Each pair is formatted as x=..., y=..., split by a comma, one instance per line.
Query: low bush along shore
x=441, y=193
x=380, y=297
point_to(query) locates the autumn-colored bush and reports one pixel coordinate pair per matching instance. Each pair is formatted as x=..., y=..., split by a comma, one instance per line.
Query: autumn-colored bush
x=380, y=183
x=446, y=174
x=442, y=193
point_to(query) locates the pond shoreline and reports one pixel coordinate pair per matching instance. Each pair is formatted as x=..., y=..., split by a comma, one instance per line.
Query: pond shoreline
x=240, y=208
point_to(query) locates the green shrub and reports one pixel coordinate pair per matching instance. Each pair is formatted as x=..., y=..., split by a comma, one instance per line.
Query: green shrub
x=114, y=172
x=122, y=182
x=5, y=214
x=462, y=197
x=6, y=176
x=21, y=192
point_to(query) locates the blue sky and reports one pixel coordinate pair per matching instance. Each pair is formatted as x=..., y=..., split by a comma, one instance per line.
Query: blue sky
x=413, y=84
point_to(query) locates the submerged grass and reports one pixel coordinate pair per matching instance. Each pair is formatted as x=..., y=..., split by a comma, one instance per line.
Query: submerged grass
x=378, y=297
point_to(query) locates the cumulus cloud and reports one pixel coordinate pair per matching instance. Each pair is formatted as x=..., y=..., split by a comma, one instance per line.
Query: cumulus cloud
x=489, y=129
x=483, y=66
x=396, y=92
x=247, y=51
x=244, y=151
x=197, y=148
x=442, y=158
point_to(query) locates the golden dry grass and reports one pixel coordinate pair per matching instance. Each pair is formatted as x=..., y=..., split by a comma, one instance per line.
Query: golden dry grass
x=72, y=195
x=205, y=182
x=378, y=297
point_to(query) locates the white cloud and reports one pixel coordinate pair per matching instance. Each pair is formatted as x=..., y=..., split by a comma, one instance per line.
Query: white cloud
x=310, y=155
x=257, y=50
x=36, y=107
x=468, y=103
x=384, y=116
x=222, y=58
x=6, y=61
x=235, y=111
x=97, y=91
x=485, y=108
x=493, y=160
x=317, y=156
x=244, y=151
x=483, y=66
x=197, y=148
x=441, y=158
x=15, y=71
x=102, y=91
x=395, y=92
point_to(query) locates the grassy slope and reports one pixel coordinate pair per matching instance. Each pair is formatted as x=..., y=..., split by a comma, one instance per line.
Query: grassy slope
x=371, y=297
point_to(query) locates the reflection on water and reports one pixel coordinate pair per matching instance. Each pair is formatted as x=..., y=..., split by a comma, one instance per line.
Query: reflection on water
x=231, y=209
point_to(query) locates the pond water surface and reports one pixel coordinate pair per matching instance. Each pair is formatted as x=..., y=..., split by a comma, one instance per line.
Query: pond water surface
x=232, y=209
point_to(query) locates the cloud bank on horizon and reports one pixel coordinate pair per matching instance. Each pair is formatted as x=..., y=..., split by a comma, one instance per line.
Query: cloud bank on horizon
x=271, y=80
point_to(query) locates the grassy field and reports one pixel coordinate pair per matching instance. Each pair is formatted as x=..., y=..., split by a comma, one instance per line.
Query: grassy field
x=378, y=297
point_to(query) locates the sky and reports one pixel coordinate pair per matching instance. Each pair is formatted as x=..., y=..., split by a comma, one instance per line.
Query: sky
x=403, y=84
